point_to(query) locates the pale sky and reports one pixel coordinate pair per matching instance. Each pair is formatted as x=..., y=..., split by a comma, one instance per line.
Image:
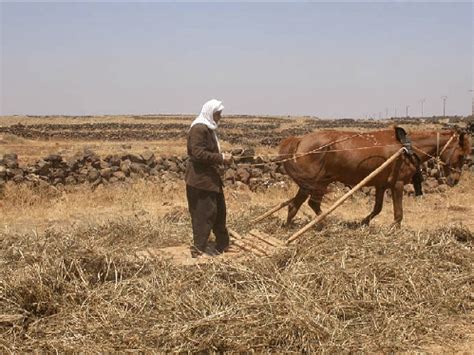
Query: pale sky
x=322, y=59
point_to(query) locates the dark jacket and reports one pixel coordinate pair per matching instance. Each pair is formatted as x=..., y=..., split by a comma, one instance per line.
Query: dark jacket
x=204, y=157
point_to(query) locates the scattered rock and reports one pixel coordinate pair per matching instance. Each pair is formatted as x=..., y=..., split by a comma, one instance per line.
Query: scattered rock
x=70, y=180
x=125, y=166
x=18, y=179
x=230, y=175
x=10, y=160
x=42, y=167
x=54, y=158
x=14, y=172
x=114, y=160
x=103, y=164
x=57, y=174
x=134, y=158
x=89, y=156
x=73, y=163
x=243, y=175
x=138, y=168
x=148, y=157
x=119, y=175
x=172, y=166
x=106, y=173
x=93, y=175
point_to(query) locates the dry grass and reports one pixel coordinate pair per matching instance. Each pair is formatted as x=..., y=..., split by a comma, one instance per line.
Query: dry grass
x=29, y=151
x=341, y=289
x=428, y=212
x=69, y=278
x=23, y=208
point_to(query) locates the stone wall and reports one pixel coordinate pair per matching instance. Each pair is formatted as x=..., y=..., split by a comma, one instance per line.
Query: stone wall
x=88, y=168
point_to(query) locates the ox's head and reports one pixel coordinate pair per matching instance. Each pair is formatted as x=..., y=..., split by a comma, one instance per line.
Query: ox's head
x=454, y=157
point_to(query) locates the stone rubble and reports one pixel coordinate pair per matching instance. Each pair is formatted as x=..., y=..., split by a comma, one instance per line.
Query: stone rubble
x=88, y=167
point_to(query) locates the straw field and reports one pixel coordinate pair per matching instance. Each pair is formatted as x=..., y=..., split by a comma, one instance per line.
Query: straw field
x=71, y=278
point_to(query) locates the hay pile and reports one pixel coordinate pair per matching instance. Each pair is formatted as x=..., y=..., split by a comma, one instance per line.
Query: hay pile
x=341, y=289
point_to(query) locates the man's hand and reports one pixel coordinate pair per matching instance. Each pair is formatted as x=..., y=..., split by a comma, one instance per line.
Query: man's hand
x=227, y=158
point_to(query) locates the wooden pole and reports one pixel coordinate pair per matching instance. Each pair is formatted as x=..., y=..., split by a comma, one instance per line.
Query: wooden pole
x=346, y=196
x=273, y=210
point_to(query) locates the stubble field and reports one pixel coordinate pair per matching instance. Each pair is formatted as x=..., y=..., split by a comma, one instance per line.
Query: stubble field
x=71, y=277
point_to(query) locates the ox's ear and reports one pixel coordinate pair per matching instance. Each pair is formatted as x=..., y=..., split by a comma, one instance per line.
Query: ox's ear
x=401, y=134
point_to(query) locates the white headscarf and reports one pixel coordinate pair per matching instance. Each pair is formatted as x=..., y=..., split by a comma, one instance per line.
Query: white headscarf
x=206, y=116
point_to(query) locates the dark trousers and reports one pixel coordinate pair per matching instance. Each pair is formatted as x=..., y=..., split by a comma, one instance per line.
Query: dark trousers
x=208, y=212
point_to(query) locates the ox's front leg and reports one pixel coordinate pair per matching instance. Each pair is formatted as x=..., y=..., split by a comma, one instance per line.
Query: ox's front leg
x=397, y=198
x=379, y=194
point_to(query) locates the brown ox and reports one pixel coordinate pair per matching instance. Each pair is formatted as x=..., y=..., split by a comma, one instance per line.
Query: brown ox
x=348, y=157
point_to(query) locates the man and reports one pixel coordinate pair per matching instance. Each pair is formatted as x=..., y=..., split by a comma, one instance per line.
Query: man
x=203, y=183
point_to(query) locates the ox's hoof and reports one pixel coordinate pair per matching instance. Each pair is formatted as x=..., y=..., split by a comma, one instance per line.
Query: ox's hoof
x=365, y=222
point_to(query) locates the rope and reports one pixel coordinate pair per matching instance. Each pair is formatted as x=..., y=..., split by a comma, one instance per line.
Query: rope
x=428, y=155
x=302, y=154
x=438, y=153
x=438, y=158
x=314, y=151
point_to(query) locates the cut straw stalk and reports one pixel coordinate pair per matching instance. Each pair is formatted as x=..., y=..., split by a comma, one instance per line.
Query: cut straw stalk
x=346, y=196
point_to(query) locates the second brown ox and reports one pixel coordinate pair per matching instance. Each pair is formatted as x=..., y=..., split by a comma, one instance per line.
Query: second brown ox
x=320, y=158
